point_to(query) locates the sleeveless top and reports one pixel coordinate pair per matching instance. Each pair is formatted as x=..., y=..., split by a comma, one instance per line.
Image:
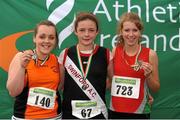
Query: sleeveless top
x=40, y=97
x=138, y=102
x=97, y=75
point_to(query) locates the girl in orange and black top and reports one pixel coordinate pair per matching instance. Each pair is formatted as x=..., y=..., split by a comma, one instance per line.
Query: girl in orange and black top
x=33, y=77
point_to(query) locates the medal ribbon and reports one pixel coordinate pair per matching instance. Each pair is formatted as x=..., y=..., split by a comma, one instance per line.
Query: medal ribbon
x=84, y=72
x=137, y=56
x=136, y=65
x=35, y=57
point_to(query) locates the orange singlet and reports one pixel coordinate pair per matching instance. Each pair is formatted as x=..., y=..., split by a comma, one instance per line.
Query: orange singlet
x=40, y=97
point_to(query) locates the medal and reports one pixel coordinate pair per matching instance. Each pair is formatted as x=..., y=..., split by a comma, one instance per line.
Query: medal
x=138, y=63
x=35, y=58
x=84, y=87
x=137, y=66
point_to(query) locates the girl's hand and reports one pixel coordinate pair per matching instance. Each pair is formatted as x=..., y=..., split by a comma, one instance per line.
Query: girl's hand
x=147, y=67
x=26, y=57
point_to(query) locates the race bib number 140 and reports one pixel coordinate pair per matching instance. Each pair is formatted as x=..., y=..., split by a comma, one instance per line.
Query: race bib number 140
x=41, y=97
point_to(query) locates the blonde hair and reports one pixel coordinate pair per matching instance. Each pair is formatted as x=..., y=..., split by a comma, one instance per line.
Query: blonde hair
x=132, y=17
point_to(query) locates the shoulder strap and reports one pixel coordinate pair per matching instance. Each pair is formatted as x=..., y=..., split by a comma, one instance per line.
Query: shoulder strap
x=65, y=55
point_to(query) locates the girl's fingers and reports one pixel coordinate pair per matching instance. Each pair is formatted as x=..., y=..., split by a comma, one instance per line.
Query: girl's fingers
x=147, y=68
x=26, y=57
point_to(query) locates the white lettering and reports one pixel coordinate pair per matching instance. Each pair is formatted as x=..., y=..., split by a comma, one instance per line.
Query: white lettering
x=146, y=41
x=170, y=7
x=147, y=10
x=102, y=38
x=105, y=11
x=117, y=6
x=158, y=10
x=129, y=7
x=114, y=41
x=178, y=42
x=156, y=37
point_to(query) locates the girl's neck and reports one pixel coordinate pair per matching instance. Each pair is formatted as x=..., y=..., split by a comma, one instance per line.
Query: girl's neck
x=131, y=50
x=41, y=56
x=85, y=48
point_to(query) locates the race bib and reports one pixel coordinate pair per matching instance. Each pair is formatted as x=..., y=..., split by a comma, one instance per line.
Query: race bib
x=126, y=87
x=85, y=109
x=41, y=97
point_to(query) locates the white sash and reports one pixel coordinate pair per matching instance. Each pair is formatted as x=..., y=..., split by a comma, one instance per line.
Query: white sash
x=85, y=85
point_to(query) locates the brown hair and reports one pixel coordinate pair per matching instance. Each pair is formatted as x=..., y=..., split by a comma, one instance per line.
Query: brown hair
x=48, y=23
x=85, y=16
x=132, y=17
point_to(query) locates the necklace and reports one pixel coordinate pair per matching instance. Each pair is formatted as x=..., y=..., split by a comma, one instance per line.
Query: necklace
x=35, y=58
x=137, y=65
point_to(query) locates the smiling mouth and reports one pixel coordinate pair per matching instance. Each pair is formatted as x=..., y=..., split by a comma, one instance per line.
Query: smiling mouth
x=86, y=39
x=46, y=46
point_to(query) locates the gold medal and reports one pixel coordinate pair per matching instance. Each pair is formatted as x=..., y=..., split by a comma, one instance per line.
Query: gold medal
x=137, y=66
x=138, y=63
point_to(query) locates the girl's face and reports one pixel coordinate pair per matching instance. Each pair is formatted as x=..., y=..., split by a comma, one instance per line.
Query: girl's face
x=45, y=40
x=130, y=33
x=86, y=32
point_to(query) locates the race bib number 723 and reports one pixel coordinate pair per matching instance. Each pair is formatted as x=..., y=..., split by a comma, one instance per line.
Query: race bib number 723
x=126, y=87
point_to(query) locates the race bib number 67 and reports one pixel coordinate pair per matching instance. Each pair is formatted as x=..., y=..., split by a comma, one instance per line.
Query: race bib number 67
x=126, y=87
x=85, y=109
